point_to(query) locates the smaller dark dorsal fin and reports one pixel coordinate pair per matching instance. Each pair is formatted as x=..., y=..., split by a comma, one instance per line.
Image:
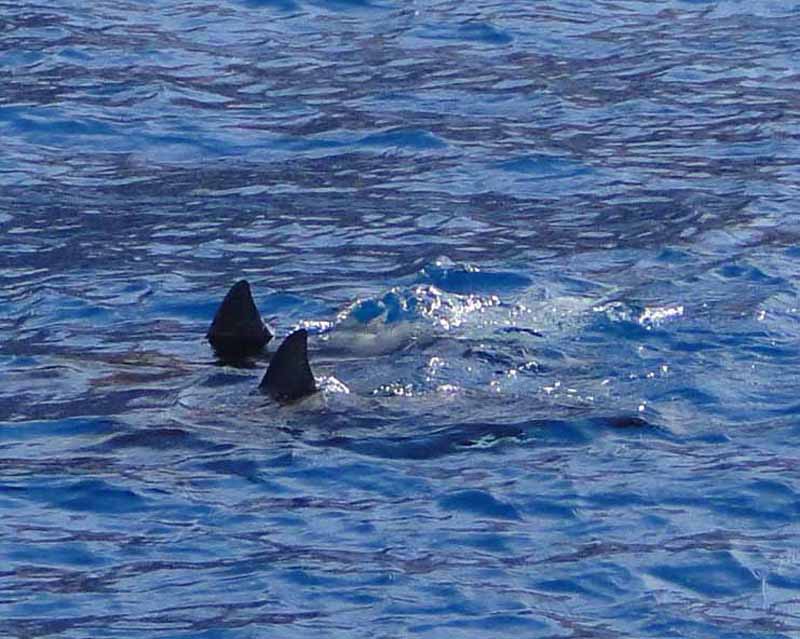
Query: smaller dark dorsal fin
x=237, y=328
x=289, y=375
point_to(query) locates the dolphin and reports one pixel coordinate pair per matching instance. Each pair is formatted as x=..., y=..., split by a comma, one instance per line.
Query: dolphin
x=237, y=329
x=289, y=377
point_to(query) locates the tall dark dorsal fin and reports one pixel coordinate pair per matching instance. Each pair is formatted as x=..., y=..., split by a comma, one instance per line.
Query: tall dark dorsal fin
x=289, y=375
x=237, y=329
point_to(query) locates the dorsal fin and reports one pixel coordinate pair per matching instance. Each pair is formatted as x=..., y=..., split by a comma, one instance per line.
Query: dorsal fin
x=237, y=329
x=289, y=375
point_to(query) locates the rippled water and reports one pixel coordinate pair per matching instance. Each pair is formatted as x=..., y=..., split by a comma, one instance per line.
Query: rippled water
x=549, y=248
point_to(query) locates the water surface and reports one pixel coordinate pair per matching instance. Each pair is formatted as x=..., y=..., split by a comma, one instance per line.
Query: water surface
x=549, y=248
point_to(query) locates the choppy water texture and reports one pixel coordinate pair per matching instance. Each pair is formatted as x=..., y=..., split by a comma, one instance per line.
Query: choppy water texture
x=550, y=248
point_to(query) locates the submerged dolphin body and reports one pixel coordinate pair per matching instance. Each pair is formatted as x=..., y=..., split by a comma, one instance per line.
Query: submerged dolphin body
x=237, y=329
x=289, y=377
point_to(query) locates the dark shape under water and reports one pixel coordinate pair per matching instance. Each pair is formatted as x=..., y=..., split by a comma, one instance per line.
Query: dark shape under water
x=237, y=329
x=289, y=377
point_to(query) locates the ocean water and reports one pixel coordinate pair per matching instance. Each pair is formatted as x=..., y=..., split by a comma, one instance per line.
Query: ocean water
x=548, y=256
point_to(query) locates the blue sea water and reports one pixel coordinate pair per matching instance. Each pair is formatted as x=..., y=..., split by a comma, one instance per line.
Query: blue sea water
x=548, y=256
